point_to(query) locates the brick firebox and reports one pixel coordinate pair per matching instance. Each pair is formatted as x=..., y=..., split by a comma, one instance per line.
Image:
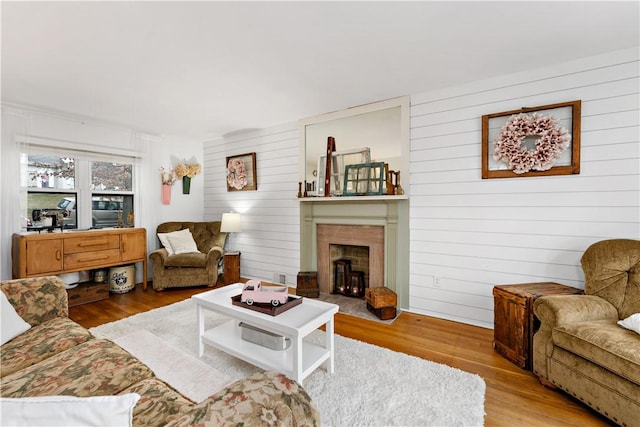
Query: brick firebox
x=371, y=236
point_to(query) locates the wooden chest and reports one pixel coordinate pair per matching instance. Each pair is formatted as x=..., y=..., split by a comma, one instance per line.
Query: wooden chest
x=514, y=320
x=382, y=313
x=381, y=297
x=381, y=301
x=307, y=285
x=86, y=293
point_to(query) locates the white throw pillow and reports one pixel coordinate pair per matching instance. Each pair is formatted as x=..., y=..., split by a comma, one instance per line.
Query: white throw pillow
x=68, y=410
x=182, y=242
x=12, y=324
x=632, y=323
x=164, y=239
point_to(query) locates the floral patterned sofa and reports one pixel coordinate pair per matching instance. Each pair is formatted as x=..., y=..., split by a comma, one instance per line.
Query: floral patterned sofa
x=57, y=356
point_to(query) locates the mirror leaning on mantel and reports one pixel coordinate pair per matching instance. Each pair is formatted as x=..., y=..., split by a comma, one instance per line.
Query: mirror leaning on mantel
x=382, y=127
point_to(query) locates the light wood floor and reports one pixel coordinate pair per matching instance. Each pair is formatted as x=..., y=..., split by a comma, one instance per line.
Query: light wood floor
x=513, y=397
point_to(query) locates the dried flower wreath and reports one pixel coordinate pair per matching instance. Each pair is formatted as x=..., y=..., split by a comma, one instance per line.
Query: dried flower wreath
x=554, y=139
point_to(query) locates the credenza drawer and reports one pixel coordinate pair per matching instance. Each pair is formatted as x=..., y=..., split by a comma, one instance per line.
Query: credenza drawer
x=91, y=259
x=91, y=243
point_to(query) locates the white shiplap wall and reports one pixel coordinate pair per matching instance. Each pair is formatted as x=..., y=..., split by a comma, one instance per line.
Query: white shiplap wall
x=270, y=239
x=468, y=234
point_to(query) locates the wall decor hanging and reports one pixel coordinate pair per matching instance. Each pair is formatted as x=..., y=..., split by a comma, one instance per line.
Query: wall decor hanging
x=168, y=179
x=185, y=171
x=241, y=172
x=532, y=141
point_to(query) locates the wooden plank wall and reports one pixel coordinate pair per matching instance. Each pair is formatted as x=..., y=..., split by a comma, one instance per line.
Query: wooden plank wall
x=269, y=241
x=468, y=234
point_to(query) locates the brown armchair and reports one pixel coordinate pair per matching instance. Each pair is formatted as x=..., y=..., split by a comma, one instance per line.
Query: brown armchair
x=580, y=348
x=189, y=269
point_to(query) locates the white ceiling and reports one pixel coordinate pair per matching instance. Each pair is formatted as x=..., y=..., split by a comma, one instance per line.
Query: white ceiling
x=204, y=69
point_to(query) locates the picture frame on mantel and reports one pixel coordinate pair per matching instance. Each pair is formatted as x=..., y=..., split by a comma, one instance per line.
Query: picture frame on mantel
x=241, y=172
x=553, y=148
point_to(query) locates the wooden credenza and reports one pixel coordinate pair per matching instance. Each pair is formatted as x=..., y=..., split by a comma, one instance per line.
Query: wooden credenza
x=36, y=255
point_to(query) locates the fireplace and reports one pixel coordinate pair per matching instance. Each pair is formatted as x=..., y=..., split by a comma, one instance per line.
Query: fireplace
x=381, y=224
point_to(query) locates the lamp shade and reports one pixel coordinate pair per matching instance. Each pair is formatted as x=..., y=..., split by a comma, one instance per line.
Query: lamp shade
x=231, y=223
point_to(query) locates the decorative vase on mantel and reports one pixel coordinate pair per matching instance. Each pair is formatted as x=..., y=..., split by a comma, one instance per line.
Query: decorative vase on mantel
x=186, y=184
x=166, y=194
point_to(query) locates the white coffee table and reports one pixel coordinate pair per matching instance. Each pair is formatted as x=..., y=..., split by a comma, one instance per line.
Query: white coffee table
x=298, y=361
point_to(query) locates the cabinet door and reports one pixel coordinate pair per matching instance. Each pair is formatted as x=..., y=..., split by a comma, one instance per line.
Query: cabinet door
x=134, y=246
x=44, y=256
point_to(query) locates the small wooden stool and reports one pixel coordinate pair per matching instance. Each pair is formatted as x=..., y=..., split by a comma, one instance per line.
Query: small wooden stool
x=381, y=301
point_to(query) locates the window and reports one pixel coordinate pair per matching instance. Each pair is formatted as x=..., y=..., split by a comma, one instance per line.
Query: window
x=110, y=209
x=77, y=190
x=111, y=176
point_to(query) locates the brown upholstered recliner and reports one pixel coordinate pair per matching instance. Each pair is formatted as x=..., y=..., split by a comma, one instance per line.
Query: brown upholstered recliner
x=189, y=269
x=580, y=348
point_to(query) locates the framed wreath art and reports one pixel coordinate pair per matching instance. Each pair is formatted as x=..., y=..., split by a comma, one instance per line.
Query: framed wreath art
x=532, y=141
x=241, y=172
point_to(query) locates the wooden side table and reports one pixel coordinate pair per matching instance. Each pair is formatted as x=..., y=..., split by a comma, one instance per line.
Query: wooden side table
x=514, y=320
x=231, y=267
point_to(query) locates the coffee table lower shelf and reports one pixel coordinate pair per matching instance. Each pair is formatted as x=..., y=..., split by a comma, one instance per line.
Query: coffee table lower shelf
x=227, y=337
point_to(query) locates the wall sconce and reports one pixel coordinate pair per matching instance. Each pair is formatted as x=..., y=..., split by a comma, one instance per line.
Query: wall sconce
x=231, y=223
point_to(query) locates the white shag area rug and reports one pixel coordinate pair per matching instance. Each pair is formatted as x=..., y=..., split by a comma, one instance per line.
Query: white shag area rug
x=371, y=386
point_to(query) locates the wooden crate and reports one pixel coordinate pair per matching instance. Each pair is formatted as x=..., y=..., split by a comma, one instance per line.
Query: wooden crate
x=88, y=292
x=308, y=280
x=307, y=293
x=383, y=313
x=307, y=285
x=514, y=320
x=381, y=301
x=380, y=297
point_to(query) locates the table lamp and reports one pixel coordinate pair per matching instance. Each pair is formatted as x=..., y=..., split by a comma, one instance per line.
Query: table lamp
x=231, y=223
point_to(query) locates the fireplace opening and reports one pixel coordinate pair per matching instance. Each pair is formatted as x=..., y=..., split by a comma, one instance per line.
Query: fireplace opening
x=349, y=269
x=362, y=245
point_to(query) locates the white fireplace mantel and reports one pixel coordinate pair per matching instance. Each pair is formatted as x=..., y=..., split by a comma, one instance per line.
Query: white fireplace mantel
x=391, y=212
x=342, y=199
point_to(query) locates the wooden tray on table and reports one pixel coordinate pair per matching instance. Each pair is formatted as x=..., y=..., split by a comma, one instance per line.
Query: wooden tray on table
x=268, y=308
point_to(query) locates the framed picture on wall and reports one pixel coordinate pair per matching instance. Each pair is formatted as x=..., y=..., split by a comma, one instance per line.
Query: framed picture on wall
x=241, y=172
x=533, y=141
